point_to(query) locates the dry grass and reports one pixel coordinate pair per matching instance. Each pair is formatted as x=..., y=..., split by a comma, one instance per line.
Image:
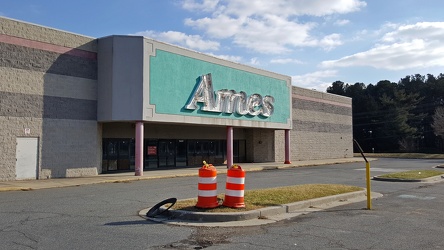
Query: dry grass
x=413, y=174
x=255, y=199
x=403, y=155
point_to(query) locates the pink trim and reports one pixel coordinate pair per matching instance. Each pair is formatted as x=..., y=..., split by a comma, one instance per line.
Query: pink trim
x=287, y=147
x=229, y=146
x=139, y=149
x=47, y=46
x=320, y=100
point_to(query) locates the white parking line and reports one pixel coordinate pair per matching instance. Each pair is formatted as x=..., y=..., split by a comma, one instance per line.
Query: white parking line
x=387, y=170
x=408, y=196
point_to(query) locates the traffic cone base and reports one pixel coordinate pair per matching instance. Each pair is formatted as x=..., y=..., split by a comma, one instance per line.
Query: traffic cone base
x=207, y=202
x=233, y=202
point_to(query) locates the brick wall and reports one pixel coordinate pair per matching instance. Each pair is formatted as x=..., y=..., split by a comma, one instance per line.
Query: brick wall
x=48, y=86
x=260, y=145
x=322, y=127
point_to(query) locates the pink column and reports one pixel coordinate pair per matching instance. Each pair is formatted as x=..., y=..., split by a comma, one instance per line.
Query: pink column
x=229, y=146
x=287, y=147
x=139, y=148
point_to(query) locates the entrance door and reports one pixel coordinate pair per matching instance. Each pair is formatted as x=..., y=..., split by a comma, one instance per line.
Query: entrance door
x=181, y=153
x=166, y=153
x=26, y=158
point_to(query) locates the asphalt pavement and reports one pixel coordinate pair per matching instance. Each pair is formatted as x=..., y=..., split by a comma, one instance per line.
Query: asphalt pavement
x=105, y=216
x=251, y=218
x=157, y=174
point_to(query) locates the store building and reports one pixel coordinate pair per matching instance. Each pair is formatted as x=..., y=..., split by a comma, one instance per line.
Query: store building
x=74, y=106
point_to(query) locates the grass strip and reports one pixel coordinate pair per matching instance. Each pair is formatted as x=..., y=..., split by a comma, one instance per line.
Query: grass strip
x=412, y=175
x=403, y=155
x=259, y=198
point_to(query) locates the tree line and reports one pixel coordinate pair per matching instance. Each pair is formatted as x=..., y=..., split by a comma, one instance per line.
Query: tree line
x=407, y=116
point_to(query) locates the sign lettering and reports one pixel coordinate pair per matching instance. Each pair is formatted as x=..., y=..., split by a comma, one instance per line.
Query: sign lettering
x=229, y=101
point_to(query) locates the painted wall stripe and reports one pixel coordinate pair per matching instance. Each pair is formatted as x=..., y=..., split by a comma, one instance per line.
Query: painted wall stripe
x=321, y=100
x=48, y=47
x=321, y=127
x=25, y=58
x=23, y=105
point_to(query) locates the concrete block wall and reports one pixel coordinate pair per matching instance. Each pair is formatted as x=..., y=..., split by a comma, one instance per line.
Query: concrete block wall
x=48, y=90
x=322, y=127
x=260, y=145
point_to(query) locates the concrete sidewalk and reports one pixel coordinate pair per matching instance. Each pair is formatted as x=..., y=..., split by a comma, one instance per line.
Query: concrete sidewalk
x=156, y=174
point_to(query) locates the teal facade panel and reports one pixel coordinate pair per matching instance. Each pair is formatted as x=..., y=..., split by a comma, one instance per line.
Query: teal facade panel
x=174, y=77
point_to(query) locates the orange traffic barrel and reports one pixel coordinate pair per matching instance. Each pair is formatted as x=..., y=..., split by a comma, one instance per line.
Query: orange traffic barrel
x=207, y=187
x=234, y=193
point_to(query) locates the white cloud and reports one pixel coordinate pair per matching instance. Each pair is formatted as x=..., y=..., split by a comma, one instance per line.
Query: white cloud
x=425, y=30
x=254, y=61
x=190, y=41
x=341, y=22
x=285, y=61
x=419, y=45
x=315, y=80
x=204, y=5
x=221, y=26
x=228, y=57
x=242, y=8
x=270, y=27
x=330, y=41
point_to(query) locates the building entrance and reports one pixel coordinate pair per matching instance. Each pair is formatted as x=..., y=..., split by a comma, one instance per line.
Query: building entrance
x=119, y=153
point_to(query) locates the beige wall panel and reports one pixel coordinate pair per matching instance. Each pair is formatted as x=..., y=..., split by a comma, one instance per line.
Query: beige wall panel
x=70, y=148
x=315, y=116
x=47, y=35
x=260, y=145
x=322, y=127
x=40, y=83
x=312, y=145
x=321, y=95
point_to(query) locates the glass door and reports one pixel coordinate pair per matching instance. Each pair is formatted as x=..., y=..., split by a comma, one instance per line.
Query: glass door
x=181, y=153
x=166, y=153
x=151, y=152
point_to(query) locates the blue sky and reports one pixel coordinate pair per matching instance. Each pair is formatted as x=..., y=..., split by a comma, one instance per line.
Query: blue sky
x=316, y=42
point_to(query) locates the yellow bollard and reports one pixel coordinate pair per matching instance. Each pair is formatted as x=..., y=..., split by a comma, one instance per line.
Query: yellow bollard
x=369, y=198
x=367, y=175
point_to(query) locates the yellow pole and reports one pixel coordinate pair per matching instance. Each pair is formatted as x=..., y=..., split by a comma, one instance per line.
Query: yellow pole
x=367, y=175
x=369, y=198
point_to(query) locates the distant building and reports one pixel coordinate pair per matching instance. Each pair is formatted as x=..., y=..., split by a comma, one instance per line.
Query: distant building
x=76, y=106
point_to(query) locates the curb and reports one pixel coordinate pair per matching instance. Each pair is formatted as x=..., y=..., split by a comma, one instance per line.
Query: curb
x=181, y=217
x=437, y=178
x=88, y=180
x=6, y=189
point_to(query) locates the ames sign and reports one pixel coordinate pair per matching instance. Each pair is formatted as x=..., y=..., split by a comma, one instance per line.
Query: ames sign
x=229, y=101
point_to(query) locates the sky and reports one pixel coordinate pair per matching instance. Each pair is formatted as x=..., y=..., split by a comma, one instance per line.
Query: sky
x=316, y=42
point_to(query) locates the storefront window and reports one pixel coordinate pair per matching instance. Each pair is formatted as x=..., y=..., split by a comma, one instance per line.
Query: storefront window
x=124, y=149
x=205, y=147
x=191, y=147
x=111, y=149
x=119, y=154
x=211, y=147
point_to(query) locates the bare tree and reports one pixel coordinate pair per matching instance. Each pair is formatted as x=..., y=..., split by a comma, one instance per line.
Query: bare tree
x=438, y=121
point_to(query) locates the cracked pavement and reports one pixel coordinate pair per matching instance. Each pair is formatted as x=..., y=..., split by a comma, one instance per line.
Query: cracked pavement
x=104, y=216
